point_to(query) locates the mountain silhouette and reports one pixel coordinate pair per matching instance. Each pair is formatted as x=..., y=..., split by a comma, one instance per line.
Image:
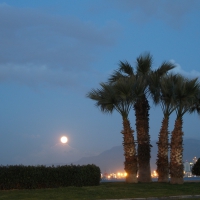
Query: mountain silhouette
x=112, y=160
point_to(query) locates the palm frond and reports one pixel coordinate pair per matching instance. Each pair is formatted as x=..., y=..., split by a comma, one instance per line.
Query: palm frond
x=164, y=68
x=165, y=90
x=139, y=86
x=126, y=68
x=104, y=97
x=154, y=87
x=123, y=88
x=115, y=96
x=115, y=76
x=187, y=92
x=144, y=63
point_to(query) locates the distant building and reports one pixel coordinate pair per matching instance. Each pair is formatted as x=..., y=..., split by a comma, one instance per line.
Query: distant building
x=187, y=167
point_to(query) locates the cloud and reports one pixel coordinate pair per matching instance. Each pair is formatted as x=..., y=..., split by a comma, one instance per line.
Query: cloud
x=178, y=69
x=36, y=25
x=170, y=11
x=39, y=47
x=33, y=75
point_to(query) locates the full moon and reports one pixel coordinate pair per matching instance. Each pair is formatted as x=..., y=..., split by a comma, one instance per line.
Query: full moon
x=63, y=139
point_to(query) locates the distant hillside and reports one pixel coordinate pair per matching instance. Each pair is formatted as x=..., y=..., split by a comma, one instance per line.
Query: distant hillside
x=112, y=160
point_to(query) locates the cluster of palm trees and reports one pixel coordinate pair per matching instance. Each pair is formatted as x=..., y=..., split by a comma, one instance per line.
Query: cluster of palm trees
x=128, y=88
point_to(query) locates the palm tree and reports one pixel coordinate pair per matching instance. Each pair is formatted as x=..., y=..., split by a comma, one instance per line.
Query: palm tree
x=141, y=107
x=162, y=91
x=186, y=97
x=119, y=97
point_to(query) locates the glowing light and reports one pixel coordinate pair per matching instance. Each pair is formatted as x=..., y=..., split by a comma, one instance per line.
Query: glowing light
x=64, y=139
x=154, y=174
x=118, y=175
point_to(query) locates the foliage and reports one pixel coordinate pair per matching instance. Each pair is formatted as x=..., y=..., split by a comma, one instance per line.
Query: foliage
x=119, y=96
x=36, y=177
x=186, y=96
x=196, y=168
x=149, y=80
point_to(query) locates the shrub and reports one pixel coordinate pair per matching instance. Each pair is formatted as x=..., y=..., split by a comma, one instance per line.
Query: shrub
x=196, y=168
x=32, y=177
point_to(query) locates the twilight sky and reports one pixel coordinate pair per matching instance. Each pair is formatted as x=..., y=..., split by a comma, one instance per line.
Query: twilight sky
x=52, y=52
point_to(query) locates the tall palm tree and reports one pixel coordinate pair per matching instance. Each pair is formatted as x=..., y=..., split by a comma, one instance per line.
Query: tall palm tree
x=141, y=107
x=186, y=97
x=162, y=91
x=119, y=97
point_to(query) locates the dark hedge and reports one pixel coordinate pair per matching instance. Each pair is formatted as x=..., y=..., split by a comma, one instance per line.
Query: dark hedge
x=36, y=177
x=196, y=168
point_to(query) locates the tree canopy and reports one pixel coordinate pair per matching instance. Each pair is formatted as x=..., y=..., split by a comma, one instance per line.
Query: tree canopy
x=196, y=168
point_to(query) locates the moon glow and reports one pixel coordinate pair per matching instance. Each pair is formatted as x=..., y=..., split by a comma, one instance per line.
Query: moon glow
x=64, y=139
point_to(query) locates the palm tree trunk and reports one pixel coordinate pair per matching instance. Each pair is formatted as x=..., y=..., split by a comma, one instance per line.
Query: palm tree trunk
x=130, y=164
x=142, y=126
x=162, y=157
x=176, y=154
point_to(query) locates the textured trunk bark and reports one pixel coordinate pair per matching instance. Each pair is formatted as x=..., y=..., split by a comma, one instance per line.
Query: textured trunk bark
x=162, y=157
x=142, y=126
x=176, y=154
x=130, y=164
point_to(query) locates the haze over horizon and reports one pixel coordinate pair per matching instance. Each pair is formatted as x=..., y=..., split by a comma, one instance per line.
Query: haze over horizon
x=54, y=52
x=112, y=160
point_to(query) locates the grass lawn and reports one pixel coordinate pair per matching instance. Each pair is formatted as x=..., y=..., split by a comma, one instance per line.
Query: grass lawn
x=112, y=190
